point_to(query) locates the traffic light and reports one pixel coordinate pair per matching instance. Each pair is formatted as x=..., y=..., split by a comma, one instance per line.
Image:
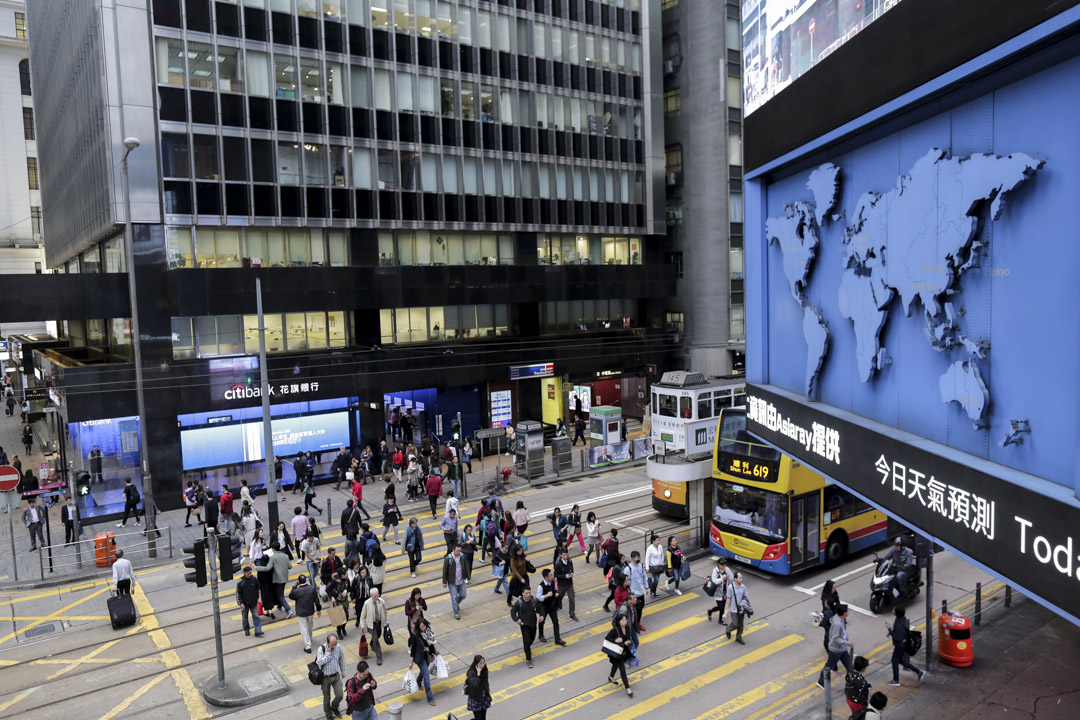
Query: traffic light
x=82, y=484
x=229, y=556
x=455, y=429
x=197, y=561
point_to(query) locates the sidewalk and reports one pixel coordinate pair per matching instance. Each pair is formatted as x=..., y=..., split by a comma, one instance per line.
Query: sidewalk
x=1025, y=668
x=332, y=502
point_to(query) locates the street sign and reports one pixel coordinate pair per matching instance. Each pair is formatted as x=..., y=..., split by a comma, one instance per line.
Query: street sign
x=811, y=26
x=43, y=470
x=46, y=489
x=9, y=478
x=522, y=372
x=488, y=433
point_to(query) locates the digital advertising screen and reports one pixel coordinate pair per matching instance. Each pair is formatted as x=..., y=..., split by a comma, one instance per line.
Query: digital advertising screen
x=234, y=443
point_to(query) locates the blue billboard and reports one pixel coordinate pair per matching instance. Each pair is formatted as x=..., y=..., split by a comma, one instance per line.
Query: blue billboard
x=235, y=443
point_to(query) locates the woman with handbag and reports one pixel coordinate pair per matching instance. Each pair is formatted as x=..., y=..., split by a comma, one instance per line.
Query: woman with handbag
x=720, y=578
x=499, y=569
x=655, y=563
x=519, y=570
x=418, y=656
x=391, y=518
x=338, y=592
x=477, y=688
x=674, y=563
x=415, y=607
x=360, y=589
x=619, y=635
x=573, y=521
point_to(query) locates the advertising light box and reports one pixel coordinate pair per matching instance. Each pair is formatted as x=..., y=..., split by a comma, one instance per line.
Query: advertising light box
x=234, y=443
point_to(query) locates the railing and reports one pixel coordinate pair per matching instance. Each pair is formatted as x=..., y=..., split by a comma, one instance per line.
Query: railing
x=690, y=534
x=74, y=558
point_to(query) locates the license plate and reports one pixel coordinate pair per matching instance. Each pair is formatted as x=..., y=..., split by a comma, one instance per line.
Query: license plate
x=744, y=560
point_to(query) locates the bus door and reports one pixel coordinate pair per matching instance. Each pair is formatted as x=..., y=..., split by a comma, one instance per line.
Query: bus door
x=805, y=541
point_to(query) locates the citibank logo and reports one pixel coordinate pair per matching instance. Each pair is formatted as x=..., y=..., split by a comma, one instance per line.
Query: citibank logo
x=243, y=392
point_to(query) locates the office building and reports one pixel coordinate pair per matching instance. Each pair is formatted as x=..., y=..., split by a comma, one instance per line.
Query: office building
x=430, y=192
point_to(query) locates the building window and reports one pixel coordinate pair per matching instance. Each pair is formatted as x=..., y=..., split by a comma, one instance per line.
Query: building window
x=35, y=221
x=28, y=123
x=115, y=262
x=676, y=259
x=673, y=158
x=432, y=324
x=673, y=322
x=32, y=173
x=735, y=263
x=24, y=77
x=20, y=25
x=586, y=315
x=668, y=4
x=674, y=213
x=735, y=207
x=736, y=323
x=214, y=336
x=672, y=102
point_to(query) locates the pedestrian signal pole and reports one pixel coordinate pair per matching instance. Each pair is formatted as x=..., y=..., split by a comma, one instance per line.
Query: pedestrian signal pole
x=268, y=434
x=213, y=538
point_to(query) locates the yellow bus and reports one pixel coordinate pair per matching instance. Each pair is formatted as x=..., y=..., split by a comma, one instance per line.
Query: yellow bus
x=774, y=513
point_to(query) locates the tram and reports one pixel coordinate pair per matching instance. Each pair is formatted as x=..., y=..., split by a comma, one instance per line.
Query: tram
x=684, y=408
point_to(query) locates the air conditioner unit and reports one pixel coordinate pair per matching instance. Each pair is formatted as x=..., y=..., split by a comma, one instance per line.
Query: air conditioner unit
x=669, y=67
x=672, y=215
x=674, y=178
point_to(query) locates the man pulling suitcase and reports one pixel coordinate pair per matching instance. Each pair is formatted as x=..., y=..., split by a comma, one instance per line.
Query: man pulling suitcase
x=121, y=606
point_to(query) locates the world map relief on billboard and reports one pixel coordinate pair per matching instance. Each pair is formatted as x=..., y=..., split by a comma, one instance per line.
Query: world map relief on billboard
x=782, y=39
x=915, y=242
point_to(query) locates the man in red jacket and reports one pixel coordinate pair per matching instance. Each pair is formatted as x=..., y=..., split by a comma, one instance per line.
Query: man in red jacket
x=225, y=502
x=434, y=491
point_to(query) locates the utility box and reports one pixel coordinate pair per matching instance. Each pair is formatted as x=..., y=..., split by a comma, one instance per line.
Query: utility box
x=561, y=455
x=605, y=425
x=529, y=450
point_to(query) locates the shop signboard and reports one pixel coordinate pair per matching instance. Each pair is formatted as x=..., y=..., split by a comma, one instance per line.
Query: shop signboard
x=700, y=436
x=1028, y=538
x=523, y=372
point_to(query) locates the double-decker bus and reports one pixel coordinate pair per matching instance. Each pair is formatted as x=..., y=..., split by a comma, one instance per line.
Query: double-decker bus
x=683, y=413
x=774, y=513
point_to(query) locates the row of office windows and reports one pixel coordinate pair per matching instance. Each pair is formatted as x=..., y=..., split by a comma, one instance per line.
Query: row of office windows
x=422, y=247
x=209, y=247
x=107, y=256
x=586, y=315
x=236, y=70
x=441, y=20
x=208, y=157
x=588, y=250
x=218, y=335
x=399, y=326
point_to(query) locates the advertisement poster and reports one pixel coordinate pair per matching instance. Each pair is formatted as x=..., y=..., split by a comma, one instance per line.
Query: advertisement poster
x=642, y=447
x=501, y=413
x=609, y=454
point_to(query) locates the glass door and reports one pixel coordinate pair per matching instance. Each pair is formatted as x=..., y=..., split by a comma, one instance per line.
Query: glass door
x=805, y=540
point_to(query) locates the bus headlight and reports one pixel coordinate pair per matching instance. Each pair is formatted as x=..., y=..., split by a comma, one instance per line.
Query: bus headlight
x=667, y=494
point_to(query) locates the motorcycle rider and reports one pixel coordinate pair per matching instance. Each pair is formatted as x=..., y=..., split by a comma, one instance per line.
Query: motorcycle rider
x=903, y=560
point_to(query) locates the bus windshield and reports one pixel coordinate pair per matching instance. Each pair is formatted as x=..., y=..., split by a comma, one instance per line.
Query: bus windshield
x=736, y=440
x=751, y=512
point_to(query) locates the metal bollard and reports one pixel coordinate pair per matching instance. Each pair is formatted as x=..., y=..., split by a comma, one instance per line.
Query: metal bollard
x=828, y=692
x=1008, y=596
x=978, y=603
x=329, y=514
x=41, y=561
x=395, y=710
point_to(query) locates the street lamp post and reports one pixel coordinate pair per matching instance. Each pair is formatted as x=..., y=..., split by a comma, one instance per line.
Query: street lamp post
x=136, y=346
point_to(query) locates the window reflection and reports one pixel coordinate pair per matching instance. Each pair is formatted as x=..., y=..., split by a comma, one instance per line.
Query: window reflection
x=238, y=247
x=212, y=336
x=433, y=324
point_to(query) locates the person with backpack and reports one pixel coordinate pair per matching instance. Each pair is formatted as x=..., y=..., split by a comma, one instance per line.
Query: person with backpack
x=856, y=686
x=414, y=544
x=548, y=597
x=899, y=634
x=131, y=503
x=615, y=574
x=331, y=660
x=610, y=548
x=360, y=694
x=477, y=688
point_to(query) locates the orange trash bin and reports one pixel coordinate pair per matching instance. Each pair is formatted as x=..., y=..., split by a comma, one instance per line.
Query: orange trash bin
x=104, y=549
x=954, y=640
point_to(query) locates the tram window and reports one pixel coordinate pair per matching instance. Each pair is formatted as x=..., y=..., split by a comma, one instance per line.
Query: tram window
x=721, y=400
x=685, y=408
x=668, y=405
x=704, y=406
x=739, y=400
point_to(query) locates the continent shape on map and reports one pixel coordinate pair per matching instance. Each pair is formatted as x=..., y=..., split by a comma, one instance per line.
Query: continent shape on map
x=797, y=235
x=917, y=240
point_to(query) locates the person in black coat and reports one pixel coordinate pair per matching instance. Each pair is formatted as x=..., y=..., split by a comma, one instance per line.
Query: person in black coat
x=70, y=515
x=620, y=635
x=477, y=688
x=247, y=597
x=210, y=510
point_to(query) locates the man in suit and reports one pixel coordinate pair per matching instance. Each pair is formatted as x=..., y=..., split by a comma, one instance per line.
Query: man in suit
x=70, y=515
x=342, y=464
x=33, y=519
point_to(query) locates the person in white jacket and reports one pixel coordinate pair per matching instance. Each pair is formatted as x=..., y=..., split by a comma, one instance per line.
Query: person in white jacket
x=373, y=619
x=721, y=577
x=655, y=562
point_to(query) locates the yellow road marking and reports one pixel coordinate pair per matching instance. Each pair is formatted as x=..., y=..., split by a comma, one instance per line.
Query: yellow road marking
x=508, y=662
x=52, y=616
x=88, y=657
x=23, y=618
x=753, y=696
x=133, y=697
x=576, y=703
x=18, y=698
x=192, y=699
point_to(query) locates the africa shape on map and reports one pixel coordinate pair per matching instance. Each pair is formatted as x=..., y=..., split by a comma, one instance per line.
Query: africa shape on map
x=915, y=241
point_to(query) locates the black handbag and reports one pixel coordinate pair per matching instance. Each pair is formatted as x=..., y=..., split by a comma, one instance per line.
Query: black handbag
x=314, y=673
x=387, y=636
x=530, y=568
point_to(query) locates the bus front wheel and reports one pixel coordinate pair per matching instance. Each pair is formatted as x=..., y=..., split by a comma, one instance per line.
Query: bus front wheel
x=835, y=549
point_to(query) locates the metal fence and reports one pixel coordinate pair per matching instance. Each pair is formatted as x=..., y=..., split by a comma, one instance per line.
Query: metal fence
x=81, y=557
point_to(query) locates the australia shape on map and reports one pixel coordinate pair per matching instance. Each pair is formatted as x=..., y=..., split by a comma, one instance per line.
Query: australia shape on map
x=796, y=232
x=917, y=241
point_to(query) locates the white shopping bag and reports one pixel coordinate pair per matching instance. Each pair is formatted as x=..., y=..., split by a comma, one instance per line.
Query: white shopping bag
x=409, y=684
x=442, y=671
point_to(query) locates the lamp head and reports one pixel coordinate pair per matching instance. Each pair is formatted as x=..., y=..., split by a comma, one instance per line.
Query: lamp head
x=131, y=143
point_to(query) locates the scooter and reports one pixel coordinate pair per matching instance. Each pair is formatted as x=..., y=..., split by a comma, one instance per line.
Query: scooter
x=885, y=588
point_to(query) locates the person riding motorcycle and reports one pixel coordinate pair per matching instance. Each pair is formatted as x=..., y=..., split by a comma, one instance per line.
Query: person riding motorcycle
x=903, y=560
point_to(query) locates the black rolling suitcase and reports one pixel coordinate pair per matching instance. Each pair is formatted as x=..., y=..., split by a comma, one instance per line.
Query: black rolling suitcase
x=121, y=611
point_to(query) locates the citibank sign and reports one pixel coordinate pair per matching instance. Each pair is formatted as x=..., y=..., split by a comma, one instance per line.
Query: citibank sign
x=243, y=392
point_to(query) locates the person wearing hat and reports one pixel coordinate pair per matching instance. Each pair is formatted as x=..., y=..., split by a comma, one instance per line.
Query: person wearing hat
x=902, y=560
x=247, y=597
